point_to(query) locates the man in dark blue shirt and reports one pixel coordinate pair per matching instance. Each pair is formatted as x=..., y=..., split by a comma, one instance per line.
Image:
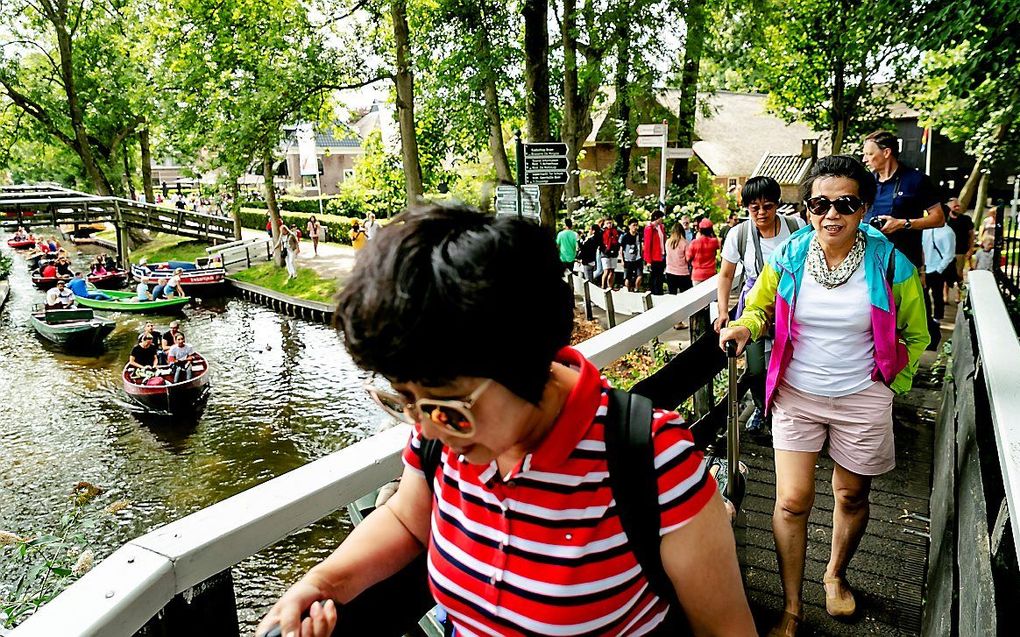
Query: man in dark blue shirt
x=906, y=198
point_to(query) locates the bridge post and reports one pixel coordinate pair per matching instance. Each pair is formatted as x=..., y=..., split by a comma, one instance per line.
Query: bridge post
x=123, y=250
x=700, y=323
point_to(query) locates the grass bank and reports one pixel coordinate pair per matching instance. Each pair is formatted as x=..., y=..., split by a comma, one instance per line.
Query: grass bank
x=308, y=285
x=166, y=247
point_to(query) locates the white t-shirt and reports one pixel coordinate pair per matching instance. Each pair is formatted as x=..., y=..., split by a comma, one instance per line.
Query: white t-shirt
x=731, y=252
x=833, y=345
x=56, y=296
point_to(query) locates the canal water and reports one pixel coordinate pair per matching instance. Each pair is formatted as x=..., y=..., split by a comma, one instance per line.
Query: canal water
x=284, y=392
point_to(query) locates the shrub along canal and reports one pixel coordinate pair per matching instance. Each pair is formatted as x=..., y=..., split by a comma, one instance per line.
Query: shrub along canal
x=284, y=392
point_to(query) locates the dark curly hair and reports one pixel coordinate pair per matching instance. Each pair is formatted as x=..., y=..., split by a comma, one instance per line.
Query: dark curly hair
x=446, y=291
x=841, y=166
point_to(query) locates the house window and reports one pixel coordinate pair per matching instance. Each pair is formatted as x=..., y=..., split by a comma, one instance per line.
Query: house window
x=641, y=171
x=348, y=174
x=308, y=181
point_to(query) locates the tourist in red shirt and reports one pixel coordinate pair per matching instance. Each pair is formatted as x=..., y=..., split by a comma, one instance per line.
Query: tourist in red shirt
x=522, y=532
x=702, y=251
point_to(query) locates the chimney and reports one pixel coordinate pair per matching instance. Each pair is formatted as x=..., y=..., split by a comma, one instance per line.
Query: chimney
x=809, y=149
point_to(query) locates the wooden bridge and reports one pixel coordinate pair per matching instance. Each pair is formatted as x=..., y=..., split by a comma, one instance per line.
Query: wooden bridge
x=939, y=558
x=48, y=205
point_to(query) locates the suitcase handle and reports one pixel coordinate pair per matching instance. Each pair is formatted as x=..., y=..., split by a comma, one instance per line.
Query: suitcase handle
x=732, y=424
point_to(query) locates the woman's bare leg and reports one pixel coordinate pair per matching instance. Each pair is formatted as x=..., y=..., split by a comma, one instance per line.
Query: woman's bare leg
x=795, y=495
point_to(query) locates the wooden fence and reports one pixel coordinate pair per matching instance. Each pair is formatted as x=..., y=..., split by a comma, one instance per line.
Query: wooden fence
x=974, y=575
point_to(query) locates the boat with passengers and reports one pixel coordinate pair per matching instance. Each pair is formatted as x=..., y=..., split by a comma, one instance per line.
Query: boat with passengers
x=205, y=274
x=155, y=389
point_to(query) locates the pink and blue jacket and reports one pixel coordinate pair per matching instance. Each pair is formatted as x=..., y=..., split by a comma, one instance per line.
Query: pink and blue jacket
x=898, y=317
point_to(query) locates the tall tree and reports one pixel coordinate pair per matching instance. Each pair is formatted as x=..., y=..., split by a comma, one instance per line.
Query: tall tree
x=239, y=71
x=536, y=80
x=67, y=68
x=696, y=27
x=821, y=61
x=970, y=86
x=404, y=81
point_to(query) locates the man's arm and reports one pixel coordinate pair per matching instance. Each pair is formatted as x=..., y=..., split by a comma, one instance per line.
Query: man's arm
x=932, y=219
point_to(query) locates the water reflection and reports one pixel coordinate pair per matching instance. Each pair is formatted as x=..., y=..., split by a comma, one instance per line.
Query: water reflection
x=284, y=392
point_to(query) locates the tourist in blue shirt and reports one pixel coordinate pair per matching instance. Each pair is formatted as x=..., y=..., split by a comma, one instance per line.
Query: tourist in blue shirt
x=939, y=256
x=81, y=288
x=906, y=198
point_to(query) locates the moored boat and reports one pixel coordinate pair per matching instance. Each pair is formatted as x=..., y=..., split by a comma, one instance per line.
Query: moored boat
x=128, y=302
x=46, y=282
x=204, y=275
x=111, y=280
x=72, y=328
x=156, y=391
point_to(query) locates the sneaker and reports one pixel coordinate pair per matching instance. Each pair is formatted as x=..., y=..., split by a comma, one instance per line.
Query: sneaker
x=755, y=425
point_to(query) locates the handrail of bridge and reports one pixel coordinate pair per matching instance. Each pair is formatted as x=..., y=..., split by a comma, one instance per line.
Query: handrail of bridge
x=130, y=586
x=999, y=350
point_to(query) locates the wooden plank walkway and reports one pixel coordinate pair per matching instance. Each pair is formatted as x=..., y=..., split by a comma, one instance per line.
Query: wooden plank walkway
x=888, y=571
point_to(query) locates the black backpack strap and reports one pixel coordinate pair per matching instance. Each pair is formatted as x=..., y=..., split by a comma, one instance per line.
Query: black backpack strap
x=890, y=268
x=632, y=477
x=431, y=456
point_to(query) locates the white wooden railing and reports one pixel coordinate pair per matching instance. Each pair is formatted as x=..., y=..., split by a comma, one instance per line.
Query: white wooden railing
x=130, y=586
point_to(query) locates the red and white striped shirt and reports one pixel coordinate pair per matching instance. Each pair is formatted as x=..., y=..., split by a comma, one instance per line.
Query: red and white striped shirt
x=542, y=551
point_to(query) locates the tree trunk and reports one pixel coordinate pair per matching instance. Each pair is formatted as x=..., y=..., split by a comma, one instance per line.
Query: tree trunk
x=570, y=125
x=404, y=80
x=235, y=205
x=687, y=113
x=621, y=167
x=143, y=143
x=536, y=81
x=270, y=191
x=81, y=141
x=840, y=111
x=981, y=201
x=129, y=186
x=969, y=189
x=490, y=93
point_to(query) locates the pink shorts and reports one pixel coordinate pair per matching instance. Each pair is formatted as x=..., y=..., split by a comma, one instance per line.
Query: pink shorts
x=859, y=426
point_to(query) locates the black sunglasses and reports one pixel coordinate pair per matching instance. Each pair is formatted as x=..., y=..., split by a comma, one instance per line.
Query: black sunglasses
x=845, y=205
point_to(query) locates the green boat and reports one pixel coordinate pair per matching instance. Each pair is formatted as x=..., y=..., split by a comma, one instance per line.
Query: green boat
x=128, y=302
x=74, y=328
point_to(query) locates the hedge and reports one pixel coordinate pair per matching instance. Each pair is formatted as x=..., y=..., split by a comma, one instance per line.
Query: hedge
x=308, y=206
x=345, y=205
x=337, y=228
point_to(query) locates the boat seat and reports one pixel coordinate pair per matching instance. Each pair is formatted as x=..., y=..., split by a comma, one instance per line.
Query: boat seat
x=61, y=316
x=197, y=367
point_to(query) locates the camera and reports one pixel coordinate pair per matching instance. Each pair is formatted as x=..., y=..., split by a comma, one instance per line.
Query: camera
x=877, y=223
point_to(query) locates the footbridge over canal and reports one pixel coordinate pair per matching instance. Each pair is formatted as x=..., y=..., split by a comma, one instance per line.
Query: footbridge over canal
x=48, y=205
x=940, y=559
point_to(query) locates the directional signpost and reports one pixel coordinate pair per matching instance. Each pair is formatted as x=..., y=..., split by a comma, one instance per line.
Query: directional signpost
x=506, y=201
x=538, y=164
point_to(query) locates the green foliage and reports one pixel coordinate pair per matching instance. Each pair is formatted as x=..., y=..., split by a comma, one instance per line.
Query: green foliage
x=377, y=185
x=170, y=247
x=308, y=285
x=6, y=263
x=38, y=565
x=970, y=86
x=307, y=205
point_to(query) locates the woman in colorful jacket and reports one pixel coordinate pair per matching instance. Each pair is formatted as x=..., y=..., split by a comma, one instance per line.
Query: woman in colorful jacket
x=850, y=327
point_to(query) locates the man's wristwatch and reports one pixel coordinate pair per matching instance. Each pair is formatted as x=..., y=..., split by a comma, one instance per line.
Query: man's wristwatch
x=907, y=224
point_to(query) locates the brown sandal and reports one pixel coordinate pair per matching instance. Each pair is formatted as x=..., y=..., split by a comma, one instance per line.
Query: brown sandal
x=788, y=626
x=839, y=606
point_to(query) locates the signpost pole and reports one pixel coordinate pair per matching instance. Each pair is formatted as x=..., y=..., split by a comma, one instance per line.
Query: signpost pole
x=662, y=166
x=520, y=174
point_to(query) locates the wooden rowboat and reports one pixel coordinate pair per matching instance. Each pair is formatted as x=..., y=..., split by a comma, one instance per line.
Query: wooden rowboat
x=73, y=328
x=23, y=244
x=128, y=302
x=157, y=391
x=46, y=282
x=203, y=276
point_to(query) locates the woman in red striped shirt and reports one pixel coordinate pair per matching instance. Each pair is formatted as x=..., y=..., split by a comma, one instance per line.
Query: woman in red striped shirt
x=520, y=527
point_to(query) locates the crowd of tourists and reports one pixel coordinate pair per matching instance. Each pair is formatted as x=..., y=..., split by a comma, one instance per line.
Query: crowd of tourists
x=507, y=513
